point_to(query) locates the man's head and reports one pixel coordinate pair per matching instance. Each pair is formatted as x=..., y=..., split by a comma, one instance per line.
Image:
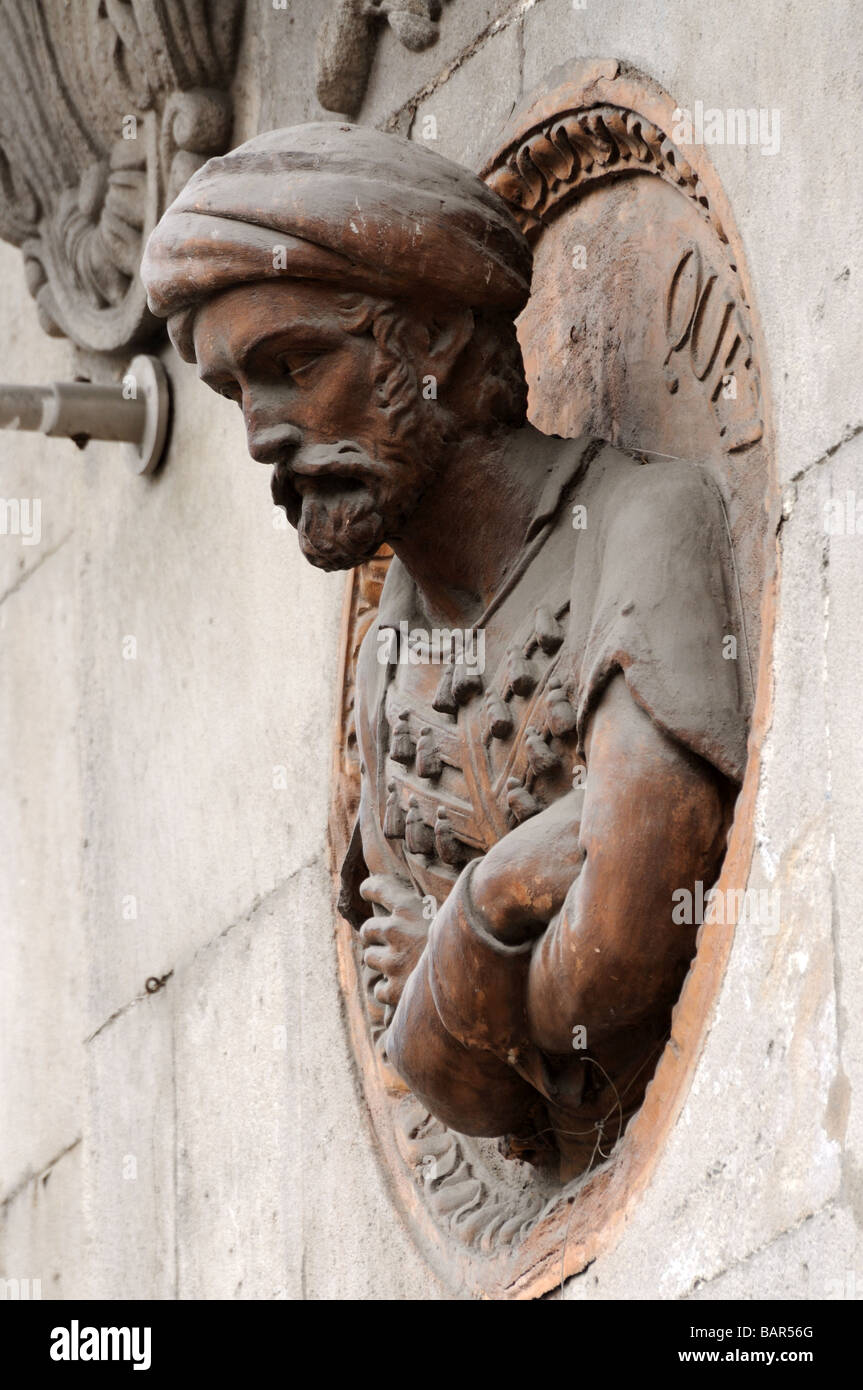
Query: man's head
x=355, y=294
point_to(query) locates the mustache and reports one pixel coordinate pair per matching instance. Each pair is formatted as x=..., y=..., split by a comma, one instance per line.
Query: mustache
x=322, y=468
x=327, y=472
x=346, y=459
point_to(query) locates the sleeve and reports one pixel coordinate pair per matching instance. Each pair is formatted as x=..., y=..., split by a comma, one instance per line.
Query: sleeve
x=459, y=1036
x=664, y=610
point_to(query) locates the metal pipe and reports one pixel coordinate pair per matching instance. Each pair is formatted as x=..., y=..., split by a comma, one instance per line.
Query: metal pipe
x=134, y=412
x=22, y=407
x=77, y=409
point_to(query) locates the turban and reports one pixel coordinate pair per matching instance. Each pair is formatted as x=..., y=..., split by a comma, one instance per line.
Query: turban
x=341, y=204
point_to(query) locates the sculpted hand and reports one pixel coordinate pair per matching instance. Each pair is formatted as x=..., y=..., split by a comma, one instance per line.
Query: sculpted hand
x=394, y=941
x=522, y=881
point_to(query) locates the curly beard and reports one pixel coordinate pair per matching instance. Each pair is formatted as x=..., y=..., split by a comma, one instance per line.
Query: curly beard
x=349, y=501
x=341, y=531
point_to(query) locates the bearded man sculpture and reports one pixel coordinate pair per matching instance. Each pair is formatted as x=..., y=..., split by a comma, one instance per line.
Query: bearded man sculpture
x=355, y=294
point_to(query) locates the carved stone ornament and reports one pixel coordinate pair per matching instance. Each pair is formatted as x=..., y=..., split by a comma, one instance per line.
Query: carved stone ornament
x=549, y=699
x=106, y=108
x=346, y=44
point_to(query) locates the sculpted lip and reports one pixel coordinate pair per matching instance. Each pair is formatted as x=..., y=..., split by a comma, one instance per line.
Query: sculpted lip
x=338, y=464
x=290, y=489
x=337, y=473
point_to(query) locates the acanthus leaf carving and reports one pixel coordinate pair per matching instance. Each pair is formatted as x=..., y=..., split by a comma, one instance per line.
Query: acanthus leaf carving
x=99, y=128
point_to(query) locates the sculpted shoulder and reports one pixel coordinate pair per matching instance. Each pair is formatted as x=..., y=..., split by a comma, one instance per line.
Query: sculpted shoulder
x=651, y=502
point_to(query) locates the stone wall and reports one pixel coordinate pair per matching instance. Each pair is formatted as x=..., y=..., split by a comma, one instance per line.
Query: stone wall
x=209, y=1139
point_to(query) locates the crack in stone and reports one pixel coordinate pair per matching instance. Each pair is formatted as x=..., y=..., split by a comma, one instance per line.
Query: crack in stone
x=850, y=432
x=246, y=916
x=790, y=491
x=34, y=1173
x=130, y=1004
x=401, y=120
x=27, y=574
x=701, y=1283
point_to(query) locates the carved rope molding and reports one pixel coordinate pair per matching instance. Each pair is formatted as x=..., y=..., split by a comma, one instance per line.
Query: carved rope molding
x=540, y=174
x=106, y=109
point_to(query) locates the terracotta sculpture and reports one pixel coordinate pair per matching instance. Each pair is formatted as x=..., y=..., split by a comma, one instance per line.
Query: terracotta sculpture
x=531, y=802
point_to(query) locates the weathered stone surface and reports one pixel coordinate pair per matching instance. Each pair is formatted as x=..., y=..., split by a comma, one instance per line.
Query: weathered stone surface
x=819, y=1259
x=225, y=1119
x=283, y=43
x=839, y=489
x=237, y=1016
x=186, y=732
x=129, y=1155
x=473, y=106
x=43, y=1232
x=41, y=905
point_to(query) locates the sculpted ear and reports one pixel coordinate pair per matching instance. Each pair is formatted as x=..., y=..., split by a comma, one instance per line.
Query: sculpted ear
x=448, y=336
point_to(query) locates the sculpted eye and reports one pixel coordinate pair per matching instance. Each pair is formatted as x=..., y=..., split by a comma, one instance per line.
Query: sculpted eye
x=292, y=363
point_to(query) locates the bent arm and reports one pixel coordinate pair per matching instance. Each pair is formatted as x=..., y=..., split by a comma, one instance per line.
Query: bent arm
x=654, y=820
x=566, y=921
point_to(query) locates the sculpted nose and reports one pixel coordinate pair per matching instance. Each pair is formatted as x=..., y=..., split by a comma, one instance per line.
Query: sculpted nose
x=271, y=444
